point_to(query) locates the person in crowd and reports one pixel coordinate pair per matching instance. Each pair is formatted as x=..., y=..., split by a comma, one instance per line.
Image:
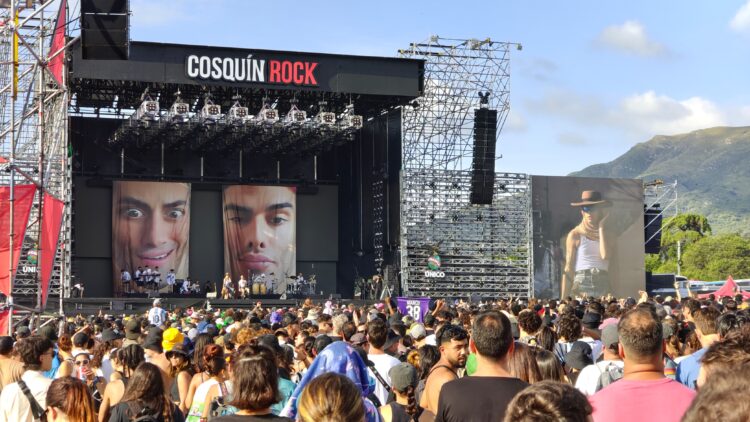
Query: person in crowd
x=726, y=355
x=546, y=338
x=255, y=386
x=95, y=383
x=492, y=387
x=65, y=347
x=59, y=366
x=381, y=340
x=144, y=396
x=157, y=315
x=453, y=341
x=590, y=333
x=721, y=398
x=706, y=328
x=125, y=363
x=579, y=356
x=331, y=397
x=16, y=405
x=569, y=331
x=549, y=401
x=600, y=374
x=641, y=347
x=522, y=364
x=338, y=321
x=550, y=368
x=529, y=324
x=404, y=408
x=69, y=400
x=342, y=359
x=10, y=369
x=100, y=361
x=181, y=372
x=215, y=368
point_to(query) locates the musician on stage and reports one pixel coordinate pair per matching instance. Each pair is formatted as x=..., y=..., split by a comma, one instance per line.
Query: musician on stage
x=171, y=280
x=155, y=279
x=313, y=284
x=377, y=286
x=227, y=290
x=244, y=289
x=139, y=278
x=148, y=277
x=125, y=278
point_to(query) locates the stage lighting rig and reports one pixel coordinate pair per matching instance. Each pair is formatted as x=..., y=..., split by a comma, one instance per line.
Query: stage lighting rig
x=210, y=113
x=179, y=112
x=349, y=120
x=267, y=116
x=325, y=118
x=238, y=115
x=295, y=117
x=148, y=111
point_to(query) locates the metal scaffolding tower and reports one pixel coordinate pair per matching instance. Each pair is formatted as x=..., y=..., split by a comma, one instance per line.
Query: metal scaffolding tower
x=482, y=250
x=33, y=136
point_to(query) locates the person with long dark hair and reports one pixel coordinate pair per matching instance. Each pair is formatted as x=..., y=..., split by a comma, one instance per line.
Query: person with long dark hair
x=144, y=395
x=405, y=408
x=254, y=381
x=199, y=371
x=69, y=400
x=126, y=361
x=181, y=372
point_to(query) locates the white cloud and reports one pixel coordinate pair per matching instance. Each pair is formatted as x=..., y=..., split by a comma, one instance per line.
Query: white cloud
x=515, y=122
x=741, y=20
x=631, y=38
x=641, y=115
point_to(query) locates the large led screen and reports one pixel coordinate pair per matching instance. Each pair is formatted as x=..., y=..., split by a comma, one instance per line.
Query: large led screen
x=259, y=233
x=150, y=228
x=588, y=236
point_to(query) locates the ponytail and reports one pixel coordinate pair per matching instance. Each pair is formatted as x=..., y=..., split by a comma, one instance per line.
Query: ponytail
x=411, y=407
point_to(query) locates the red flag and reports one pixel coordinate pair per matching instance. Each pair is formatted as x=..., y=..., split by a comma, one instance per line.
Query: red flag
x=24, y=197
x=58, y=41
x=4, y=321
x=3, y=160
x=52, y=212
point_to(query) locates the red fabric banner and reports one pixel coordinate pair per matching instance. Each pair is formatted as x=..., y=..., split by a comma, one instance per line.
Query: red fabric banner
x=4, y=322
x=52, y=212
x=58, y=41
x=24, y=198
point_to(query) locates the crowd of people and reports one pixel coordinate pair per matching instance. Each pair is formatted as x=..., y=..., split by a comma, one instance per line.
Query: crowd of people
x=645, y=359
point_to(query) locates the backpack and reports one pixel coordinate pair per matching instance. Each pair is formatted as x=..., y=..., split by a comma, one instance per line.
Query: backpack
x=218, y=407
x=145, y=415
x=610, y=374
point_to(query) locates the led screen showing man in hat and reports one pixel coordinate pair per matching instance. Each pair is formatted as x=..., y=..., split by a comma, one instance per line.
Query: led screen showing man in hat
x=588, y=249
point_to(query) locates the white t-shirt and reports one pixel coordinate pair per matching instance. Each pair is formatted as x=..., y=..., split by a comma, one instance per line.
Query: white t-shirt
x=15, y=406
x=588, y=379
x=383, y=364
x=430, y=340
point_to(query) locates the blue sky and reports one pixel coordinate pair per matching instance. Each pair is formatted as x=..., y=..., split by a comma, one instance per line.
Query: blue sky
x=594, y=78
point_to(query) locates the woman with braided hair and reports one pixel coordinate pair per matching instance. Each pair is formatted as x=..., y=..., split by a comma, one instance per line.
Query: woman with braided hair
x=405, y=408
x=126, y=360
x=588, y=249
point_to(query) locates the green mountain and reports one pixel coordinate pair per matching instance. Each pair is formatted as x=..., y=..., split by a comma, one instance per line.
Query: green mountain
x=711, y=167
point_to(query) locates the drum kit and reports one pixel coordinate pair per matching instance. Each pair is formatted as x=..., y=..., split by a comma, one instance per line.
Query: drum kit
x=300, y=285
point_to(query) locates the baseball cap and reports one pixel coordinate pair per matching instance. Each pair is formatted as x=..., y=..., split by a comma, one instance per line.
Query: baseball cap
x=358, y=339
x=132, y=329
x=591, y=320
x=402, y=376
x=110, y=335
x=48, y=332
x=392, y=339
x=579, y=356
x=610, y=335
x=417, y=331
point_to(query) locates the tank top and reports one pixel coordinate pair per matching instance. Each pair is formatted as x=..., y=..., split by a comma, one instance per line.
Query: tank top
x=398, y=412
x=588, y=256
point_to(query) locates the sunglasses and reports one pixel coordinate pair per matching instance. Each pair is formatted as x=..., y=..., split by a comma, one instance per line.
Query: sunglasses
x=587, y=208
x=82, y=362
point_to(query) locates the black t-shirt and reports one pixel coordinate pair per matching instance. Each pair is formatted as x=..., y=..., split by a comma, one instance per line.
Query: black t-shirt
x=477, y=399
x=252, y=418
x=126, y=411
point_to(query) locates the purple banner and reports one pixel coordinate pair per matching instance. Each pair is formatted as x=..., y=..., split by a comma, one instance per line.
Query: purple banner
x=416, y=307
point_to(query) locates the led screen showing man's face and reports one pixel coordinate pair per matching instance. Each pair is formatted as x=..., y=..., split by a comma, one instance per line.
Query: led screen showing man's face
x=151, y=226
x=259, y=231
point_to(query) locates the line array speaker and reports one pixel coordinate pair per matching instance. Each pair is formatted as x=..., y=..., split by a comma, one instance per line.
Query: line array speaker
x=105, y=29
x=483, y=163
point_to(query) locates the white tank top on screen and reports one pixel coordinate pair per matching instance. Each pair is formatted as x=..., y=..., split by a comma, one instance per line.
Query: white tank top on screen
x=588, y=256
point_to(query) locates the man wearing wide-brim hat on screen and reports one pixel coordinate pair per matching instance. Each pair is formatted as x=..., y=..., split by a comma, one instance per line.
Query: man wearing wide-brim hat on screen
x=587, y=249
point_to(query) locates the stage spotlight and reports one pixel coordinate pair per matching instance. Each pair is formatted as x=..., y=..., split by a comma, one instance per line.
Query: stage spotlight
x=178, y=113
x=148, y=111
x=237, y=115
x=349, y=120
x=267, y=115
x=325, y=118
x=210, y=113
x=295, y=117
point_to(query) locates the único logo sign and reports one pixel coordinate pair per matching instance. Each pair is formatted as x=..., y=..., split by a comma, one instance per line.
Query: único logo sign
x=433, y=263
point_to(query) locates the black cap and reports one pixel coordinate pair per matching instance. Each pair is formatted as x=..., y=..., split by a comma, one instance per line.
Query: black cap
x=49, y=332
x=579, y=356
x=110, y=335
x=133, y=329
x=591, y=320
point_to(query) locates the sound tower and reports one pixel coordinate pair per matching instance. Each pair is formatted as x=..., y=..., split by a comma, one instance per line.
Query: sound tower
x=105, y=33
x=652, y=225
x=483, y=164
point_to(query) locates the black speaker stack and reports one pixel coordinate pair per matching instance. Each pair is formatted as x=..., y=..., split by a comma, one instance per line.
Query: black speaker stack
x=652, y=226
x=105, y=29
x=483, y=165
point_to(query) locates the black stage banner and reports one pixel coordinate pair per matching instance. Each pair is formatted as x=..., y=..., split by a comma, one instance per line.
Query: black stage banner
x=248, y=68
